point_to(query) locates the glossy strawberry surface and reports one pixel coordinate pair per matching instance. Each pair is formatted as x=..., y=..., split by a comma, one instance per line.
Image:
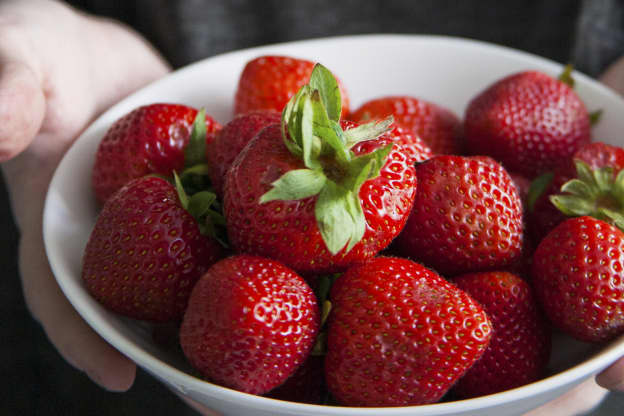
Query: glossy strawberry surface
x=578, y=275
x=287, y=230
x=438, y=127
x=250, y=323
x=544, y=216
x=231, y=139
x=399, y=334
x=412, y=145
x=528, y=121
x=268, y=82
x=145, y=252
x=306, y=385
x=467, y=216
x=149, y=139
x=521, y=340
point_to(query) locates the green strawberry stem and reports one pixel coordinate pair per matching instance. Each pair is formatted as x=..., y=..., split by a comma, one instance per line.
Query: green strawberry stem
x=566, y=76
x=195, y=150
x=595, y=116
x=204, y=207
x=194, y=187
x=195, y=177
x=598, y=193
x=537, y=188
x=311, y=131
x=322, y=295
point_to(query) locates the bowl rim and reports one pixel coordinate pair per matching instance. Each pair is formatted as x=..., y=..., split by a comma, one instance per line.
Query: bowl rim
x=185, y=382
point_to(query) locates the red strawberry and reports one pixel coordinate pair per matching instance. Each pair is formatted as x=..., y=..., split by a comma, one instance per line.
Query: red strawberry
x=529, y=121
x=523, y=265
x=305, y=385
x=149, y=139
x=599, y=155
x=288, y=230
x=438, y=127
x=268, y=82
x=250, y=323
x=522, y=185
x=318, y=202
x=232, y=138
x=520, y=346
x=467, y=216
x=578, y=277
x=399, y=334
x=543, y=216
x=146, y=252
x=412, y=146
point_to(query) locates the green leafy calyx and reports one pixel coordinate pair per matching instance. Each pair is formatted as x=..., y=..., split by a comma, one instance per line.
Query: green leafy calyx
x=204, y=207
x=311, y=131
x=194, y=176
x=537, y=188
x=595, y=117
x=598, y=193
x=322, y=295
x=566, y=76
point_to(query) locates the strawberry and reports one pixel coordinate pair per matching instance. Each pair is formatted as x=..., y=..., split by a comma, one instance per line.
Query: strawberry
x=528, y=121
x=523, y=264
x=523, y=185
x=543, y=215
x=467, y=216
x=146, y=252
x=577, y=275
x=268, y=82
x=399, y=334
x=599, y=155
x=150, y=139
x=520, y=346
x=231, y=139
x=411, y=145
x=305, y=385
x=250, y=323
x=438, y=127
x=319, y=195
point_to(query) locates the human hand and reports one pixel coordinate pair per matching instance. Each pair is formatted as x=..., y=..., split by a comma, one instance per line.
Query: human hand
x=613, y=377
x=614, y=76
x=60, y=68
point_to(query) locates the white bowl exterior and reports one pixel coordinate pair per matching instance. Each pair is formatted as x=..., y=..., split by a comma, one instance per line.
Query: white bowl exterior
x=447, y=71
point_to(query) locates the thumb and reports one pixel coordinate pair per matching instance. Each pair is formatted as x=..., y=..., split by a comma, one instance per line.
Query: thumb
x=22, y=105
x=614, y=76
x=613, y=377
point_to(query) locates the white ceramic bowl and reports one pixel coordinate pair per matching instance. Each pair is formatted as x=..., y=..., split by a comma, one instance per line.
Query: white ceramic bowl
x=448, y=71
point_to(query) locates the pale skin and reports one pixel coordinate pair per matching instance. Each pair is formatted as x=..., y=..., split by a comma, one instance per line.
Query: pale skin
x=59, y=69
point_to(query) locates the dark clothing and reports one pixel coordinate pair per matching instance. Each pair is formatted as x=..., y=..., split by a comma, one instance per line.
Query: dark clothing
x=588, y=33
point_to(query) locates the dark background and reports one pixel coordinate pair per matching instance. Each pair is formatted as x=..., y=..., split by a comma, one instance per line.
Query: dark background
x=35, y=380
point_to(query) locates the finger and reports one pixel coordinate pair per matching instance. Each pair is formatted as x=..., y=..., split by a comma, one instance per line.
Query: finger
x=613, y=377
x=22, y=101
x=578, y=401
x=124, y=48
x=70, y=334
x=614, y=76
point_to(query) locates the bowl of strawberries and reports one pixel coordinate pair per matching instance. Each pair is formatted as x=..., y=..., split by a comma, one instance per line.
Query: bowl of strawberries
x=292, y=230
